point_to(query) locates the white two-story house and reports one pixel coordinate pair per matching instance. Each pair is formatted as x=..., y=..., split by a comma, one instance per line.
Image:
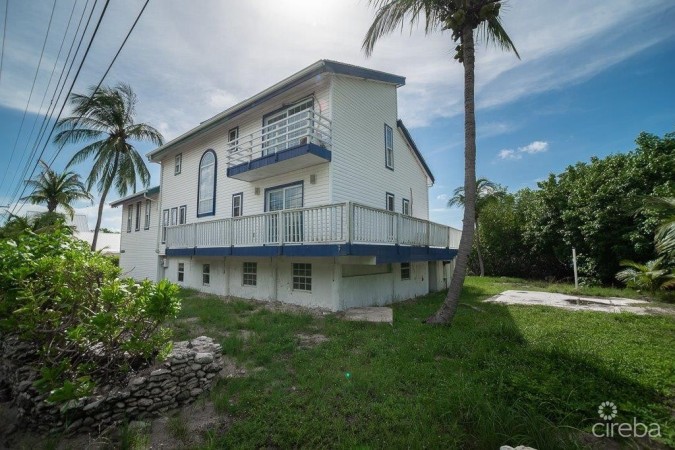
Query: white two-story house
x=311, y=192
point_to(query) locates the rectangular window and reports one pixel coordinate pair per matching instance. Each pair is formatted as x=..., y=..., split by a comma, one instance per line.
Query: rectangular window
x=405, y=271
x=237, y=204
x=174, y=216
x=405, y=207
x=302, y=277
x=233, y=139
x=206, y=274
x=148, y=206
x=388, y=147
x=182, y=215
x=181, y=272
x=178, y=167
x=130, y=215
x=389, y=201
x=138, y=215
x=165, y=223
x=250, y=274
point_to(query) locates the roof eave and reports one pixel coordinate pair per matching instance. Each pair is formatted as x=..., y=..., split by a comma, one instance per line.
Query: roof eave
x=305, y=74
x=412, y=144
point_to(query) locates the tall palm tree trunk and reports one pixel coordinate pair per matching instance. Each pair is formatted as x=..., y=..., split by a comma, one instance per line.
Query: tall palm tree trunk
x=481, y=265
x=448, y=309
x=104, y=194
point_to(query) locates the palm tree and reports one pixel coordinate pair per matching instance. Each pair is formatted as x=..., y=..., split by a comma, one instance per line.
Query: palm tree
x=56, y=189
x=106, y=116
x=462, y=18
x=486, y=193
x=650, y=276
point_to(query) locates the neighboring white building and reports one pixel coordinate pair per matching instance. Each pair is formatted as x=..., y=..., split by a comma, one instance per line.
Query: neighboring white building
x=311, y=192
x=108, y=243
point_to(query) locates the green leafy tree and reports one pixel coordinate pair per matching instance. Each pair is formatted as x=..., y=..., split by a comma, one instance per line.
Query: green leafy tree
x=486, y=193
x=664, y=239
x=56, y=189
x=591, y=206
x=462, y=18
x=106, y=117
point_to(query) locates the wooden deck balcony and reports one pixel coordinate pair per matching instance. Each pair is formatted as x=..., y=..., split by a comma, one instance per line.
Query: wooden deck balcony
x=301, y=140
x=329, y=230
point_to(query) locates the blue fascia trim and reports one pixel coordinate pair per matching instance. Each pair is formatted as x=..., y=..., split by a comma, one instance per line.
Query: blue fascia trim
x=215, y=182
x=147, y=192
x=180, y=251
x=283, y=155
x=384, y=254
x=409, y=138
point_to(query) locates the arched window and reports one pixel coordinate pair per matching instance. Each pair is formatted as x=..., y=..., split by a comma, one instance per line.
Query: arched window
x=206, y=200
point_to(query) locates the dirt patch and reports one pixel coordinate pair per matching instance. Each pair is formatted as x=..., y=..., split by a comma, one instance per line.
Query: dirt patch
x=273, y=306
x=188, y=428
x=310, y=340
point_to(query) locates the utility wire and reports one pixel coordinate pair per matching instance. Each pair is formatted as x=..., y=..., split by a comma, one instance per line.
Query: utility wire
x=49, y=115
x=4, y=38
x=70, y=90
x=49, y=83
x=126, y=38
x=30, y=96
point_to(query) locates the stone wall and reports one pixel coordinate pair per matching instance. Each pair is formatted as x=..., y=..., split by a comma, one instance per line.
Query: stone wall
x=189, y=370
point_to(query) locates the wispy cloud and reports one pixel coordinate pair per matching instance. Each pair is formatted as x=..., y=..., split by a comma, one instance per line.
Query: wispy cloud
x=529, y=149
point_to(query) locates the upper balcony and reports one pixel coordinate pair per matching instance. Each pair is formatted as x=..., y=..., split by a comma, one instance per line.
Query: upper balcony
x=343, y=229
x=285, y=143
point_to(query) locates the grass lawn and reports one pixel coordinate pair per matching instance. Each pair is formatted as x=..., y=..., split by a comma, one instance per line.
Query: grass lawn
x=507, y=375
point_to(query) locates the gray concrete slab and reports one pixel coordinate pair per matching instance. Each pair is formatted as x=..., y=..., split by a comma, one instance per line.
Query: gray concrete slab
x=575, y=303
x=377, y=314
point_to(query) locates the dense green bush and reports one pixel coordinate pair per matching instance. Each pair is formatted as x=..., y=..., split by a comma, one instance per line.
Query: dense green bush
x=88, y=324
x=596, y=207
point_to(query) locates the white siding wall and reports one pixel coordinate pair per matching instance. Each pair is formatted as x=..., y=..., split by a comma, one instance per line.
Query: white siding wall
x=227, y=279
x=138, y=258
x=383, y=289
x=178, y=190
x=361, y=108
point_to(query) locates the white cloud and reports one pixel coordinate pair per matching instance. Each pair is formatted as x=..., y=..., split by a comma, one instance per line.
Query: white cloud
x=534, y=147
x=509, y=154
x=188, y=64
x=442, y=197
x=530, y=149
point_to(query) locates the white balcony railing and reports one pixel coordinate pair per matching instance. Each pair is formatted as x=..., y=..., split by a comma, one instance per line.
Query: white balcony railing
x=303, y=127
x=328, y=224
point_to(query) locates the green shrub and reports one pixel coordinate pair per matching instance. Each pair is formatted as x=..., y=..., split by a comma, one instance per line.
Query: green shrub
x=88, y=324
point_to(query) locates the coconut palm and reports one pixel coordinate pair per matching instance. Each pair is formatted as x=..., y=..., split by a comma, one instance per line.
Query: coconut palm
x=486, y=193
x=462, y=18
x=56, y=189
x=106, y=117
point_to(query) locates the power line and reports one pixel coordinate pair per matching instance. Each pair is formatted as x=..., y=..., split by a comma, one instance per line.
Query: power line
x=49, y=83
x=70, y=90
x=48, y=117
x=30, y=96
x=138, y=17
x=4, y=38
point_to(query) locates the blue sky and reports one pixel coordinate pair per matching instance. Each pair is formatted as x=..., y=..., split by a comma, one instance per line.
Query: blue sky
x=591, y=77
